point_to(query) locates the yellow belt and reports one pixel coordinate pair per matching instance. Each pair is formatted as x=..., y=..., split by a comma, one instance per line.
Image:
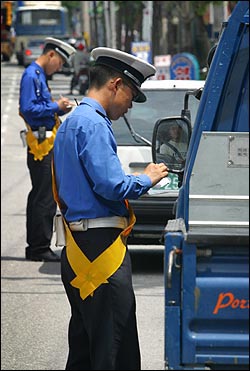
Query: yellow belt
x=39, y=150
x=90, y=275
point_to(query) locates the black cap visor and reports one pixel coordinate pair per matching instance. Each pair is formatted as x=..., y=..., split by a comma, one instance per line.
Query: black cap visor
x=132, y=75
x=141, y=97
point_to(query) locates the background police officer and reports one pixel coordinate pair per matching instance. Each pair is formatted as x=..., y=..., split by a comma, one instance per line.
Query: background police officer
x=40, y=114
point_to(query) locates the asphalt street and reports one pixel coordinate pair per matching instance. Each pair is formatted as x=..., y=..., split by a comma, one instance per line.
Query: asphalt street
x=35, y=311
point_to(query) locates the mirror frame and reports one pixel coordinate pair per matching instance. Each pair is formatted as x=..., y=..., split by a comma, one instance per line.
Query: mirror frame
x=154, y=137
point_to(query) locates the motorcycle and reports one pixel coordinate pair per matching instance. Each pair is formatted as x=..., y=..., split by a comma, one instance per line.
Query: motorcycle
x=83, y=80
x=80, y=81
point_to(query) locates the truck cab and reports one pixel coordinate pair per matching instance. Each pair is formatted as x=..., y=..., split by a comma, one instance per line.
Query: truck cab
x=133, y=133
x=206, y=256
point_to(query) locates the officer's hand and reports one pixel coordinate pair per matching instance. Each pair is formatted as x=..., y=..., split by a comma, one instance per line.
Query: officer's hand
x=65, y=104
x=156, y=172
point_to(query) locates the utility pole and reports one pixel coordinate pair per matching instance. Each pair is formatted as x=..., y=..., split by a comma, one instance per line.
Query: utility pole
x=86, y=22
x=110, y=24
x=113, y=24
x=147, y=21
x=107, y=23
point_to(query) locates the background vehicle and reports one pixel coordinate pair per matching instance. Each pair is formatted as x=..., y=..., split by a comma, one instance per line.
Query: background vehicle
x=38, y=22
x=206, y=266
x=134, y=135
x=7, y=37
x=32, y=51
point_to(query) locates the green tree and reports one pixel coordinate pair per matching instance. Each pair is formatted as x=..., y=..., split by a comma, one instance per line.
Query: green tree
x=71, y=6
x=186, y=28
x=128, y=23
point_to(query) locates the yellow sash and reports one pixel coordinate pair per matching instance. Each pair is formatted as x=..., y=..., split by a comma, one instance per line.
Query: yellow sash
x=39, y=150
x=90, y=275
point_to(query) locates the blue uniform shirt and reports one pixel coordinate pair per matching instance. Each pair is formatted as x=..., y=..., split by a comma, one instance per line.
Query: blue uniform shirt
x=35, y=100
x=90, y=180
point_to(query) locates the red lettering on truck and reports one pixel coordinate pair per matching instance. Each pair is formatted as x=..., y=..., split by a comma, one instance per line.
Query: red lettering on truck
x=227, y=299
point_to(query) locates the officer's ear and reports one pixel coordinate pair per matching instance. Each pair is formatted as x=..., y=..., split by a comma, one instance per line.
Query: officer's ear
x=51, y=54
x=115, y=83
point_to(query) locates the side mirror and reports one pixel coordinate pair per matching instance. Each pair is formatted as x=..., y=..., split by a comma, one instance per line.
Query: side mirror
x=171, y=137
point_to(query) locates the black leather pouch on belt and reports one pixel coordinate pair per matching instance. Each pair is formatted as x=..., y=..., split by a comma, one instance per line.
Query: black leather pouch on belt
x=41, y=134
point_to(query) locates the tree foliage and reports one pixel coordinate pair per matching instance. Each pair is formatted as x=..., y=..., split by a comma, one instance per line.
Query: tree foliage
x=186, y=28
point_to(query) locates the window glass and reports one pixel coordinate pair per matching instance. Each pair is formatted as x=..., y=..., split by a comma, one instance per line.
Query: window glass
x=40, y=17
x=143, y=116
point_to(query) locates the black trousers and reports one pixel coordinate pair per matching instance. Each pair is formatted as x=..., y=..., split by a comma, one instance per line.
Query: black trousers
x=41, y=206
x=102, y=331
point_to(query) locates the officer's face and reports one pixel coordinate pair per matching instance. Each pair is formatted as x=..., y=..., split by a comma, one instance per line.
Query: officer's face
x=121, y=100
x=55, y=63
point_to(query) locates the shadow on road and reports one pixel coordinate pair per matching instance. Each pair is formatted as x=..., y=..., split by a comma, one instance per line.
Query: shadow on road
x=143, y=261
x=147, y=261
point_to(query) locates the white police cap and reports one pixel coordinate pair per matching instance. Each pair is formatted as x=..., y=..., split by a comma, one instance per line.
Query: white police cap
x=136, y=70
x=64, y=49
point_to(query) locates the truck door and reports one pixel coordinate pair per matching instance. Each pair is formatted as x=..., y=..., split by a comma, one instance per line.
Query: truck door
x=215, y=254
x=207, y=245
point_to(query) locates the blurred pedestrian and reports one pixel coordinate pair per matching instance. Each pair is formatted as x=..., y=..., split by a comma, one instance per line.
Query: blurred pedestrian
x=41, y=116
x=80, y=63
x=92, y=189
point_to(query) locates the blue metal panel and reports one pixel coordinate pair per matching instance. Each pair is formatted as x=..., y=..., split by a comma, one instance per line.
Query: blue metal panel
x=172, y=340
x=224, y=102
x=215, y=306
x=172, y=302
x=208, y=295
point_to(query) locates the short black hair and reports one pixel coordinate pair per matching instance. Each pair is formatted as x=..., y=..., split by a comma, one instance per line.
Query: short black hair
x=47, y=48
x=99, y=75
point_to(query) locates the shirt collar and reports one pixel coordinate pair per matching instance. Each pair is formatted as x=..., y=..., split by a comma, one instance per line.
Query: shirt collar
x=38, y=67
x=96, y=106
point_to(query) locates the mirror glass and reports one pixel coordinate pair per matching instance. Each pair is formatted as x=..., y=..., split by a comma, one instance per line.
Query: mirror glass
x=171, y=142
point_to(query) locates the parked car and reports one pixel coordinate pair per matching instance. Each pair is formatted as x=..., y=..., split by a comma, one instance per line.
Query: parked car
x=32, y=51
x=134, y=136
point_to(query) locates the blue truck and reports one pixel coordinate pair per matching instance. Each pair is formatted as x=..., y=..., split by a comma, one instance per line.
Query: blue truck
x=206, y=260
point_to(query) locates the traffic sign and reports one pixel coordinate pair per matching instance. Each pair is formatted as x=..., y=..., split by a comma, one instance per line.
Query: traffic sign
x=142, y=49
x=184, y=66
